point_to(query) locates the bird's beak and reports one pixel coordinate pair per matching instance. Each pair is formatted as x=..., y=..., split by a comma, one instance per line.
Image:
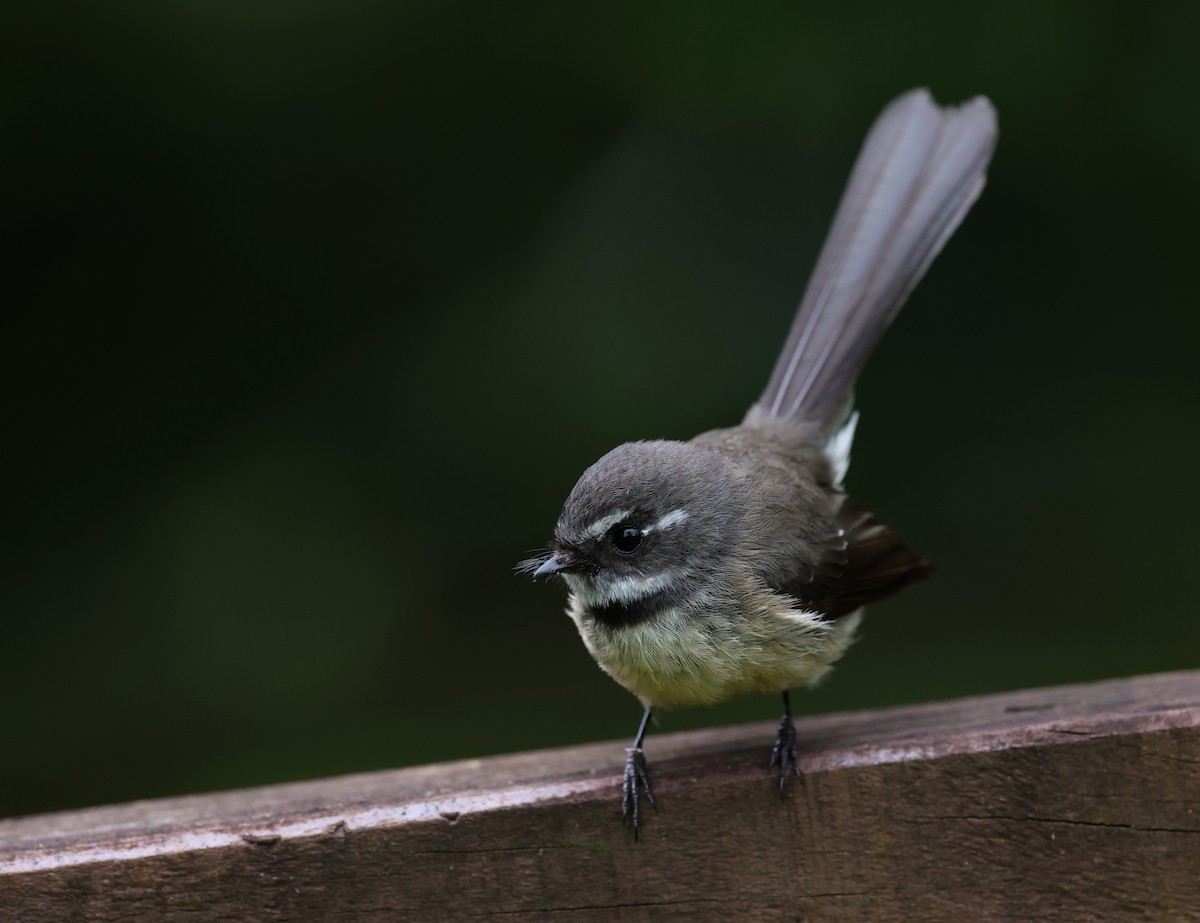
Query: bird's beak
x=553, y=564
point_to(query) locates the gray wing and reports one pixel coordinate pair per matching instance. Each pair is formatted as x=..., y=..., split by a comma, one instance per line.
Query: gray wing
x=920, y=169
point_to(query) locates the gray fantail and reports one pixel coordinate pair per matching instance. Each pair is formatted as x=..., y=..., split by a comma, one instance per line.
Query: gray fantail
x=734, y=563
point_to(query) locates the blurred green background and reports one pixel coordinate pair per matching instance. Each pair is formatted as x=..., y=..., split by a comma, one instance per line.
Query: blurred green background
x=316, y=311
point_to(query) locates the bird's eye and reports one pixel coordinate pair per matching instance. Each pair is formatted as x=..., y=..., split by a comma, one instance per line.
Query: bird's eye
x=625, y=538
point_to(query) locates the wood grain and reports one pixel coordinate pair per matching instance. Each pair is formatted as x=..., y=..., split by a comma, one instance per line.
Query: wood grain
x=1072, y=803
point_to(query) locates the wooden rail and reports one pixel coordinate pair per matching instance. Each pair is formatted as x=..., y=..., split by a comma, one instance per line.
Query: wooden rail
x=1072, y=803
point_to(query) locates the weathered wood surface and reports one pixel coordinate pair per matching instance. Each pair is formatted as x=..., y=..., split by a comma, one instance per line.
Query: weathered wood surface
x=1072, y=803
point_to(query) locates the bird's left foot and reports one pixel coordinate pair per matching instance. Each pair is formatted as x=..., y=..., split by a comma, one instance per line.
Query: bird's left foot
x=635, y=784
x=783, y=754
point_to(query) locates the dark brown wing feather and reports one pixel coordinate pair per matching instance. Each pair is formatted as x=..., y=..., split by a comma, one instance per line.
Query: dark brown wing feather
x=864, y=562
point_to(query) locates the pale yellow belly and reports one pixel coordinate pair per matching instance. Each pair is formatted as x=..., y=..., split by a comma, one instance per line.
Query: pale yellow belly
x=679, y=659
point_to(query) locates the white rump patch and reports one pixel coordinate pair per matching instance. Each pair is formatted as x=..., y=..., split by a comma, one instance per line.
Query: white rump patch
x=837, y=449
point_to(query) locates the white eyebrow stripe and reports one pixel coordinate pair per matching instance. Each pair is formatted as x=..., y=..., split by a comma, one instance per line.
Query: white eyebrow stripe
x=672, y=519
x=602, y=525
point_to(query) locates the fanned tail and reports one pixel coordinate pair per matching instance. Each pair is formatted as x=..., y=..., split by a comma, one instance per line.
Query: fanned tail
x=920, y=169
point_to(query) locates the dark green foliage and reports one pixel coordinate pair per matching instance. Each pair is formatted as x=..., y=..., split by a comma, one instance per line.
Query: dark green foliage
x=316, y=311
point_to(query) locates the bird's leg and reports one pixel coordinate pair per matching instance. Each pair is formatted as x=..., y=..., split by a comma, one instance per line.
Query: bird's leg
x=636, y=781
x=783, y=754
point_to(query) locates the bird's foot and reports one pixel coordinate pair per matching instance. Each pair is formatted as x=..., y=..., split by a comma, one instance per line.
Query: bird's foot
x=783, y=754
x=635, y=783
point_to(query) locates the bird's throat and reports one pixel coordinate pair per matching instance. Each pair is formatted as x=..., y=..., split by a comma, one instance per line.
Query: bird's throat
x=621, y=613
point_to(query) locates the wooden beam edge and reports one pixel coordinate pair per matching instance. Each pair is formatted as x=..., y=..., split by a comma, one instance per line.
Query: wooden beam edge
x=418, y=795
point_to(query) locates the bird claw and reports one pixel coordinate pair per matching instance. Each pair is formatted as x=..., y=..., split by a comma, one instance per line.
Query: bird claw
x=783, y=754
x=635, y=783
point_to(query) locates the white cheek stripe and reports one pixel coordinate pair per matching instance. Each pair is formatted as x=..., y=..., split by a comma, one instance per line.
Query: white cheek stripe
x=672, y=519
x=604, y=590
x=600, y=526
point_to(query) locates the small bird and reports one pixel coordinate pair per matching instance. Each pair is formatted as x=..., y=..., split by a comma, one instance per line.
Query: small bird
x=734, y=563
